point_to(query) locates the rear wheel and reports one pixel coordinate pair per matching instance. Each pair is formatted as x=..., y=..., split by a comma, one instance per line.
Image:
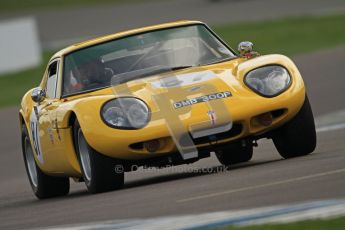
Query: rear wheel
x=43, y=186
x=236, y=152
x=98, y=170
x=298, y=136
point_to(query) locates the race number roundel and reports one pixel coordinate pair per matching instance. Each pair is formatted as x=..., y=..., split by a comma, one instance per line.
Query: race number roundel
x=35, y=135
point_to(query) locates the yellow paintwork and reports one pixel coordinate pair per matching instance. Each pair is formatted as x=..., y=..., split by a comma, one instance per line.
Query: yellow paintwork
x=244, y=104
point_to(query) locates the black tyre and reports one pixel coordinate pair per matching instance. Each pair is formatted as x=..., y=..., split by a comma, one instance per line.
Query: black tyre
x=234, y=153
x=298, y=136
x=98, y=170
x=43, y=186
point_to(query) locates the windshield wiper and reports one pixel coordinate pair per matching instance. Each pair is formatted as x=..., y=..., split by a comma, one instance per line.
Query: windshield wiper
x=219, y=61
x=181, y=67
x=129, y=76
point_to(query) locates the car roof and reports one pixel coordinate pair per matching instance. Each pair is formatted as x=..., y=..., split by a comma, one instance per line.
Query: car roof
x=109, y=37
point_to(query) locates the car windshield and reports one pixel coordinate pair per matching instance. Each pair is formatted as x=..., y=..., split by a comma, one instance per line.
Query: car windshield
x=141, y=55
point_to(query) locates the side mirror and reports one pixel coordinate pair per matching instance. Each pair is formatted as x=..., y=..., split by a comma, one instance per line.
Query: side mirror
x=38, y=95
x=246, y=49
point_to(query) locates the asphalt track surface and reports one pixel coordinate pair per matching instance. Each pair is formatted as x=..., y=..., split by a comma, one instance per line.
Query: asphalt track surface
x=60, y=27
x=197, y=188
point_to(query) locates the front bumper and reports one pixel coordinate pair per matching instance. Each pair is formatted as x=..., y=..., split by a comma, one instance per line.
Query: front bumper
x=130, y=144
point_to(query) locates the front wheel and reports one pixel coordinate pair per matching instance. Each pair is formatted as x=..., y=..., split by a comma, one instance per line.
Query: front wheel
x=98, y=170
x=43, y=186
x=298, y=136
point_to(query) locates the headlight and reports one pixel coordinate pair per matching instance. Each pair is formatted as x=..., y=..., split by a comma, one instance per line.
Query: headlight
x=125, y=113
x=268, y=81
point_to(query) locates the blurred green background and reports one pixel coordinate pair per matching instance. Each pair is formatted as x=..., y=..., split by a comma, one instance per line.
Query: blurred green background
x=289, y=36
x=21, y=5
x=332, y=224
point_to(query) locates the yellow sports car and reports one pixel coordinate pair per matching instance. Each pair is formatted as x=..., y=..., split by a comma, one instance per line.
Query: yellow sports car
x=157, y=96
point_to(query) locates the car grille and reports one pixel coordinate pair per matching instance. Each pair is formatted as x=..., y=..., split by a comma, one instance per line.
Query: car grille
x=233, y=132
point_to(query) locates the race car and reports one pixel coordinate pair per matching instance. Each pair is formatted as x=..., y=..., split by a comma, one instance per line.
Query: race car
x=157, y=96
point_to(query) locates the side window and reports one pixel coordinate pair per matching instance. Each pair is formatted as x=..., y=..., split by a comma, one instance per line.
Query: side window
x=52, y=80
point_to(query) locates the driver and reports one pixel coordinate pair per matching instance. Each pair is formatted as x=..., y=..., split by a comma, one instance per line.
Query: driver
x=87, y=76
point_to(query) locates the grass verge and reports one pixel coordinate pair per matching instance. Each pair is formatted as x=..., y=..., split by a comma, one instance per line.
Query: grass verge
x=334, y=224
x=287, y=36
x=13, y=86
x=24, y=5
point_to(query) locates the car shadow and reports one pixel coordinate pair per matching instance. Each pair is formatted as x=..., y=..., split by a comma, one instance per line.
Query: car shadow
x=81, y=193
x=195, y=173
x=151, y=180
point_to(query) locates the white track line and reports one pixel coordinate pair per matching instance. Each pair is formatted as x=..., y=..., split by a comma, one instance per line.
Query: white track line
x=210, y=195
x=331, y=121
x=330, y=128
x=323, y=128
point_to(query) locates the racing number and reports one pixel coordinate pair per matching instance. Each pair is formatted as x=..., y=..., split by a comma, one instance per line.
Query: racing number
x=35, y=134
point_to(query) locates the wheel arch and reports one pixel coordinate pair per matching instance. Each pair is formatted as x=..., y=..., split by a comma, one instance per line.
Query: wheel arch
x=71, y=119
x=21, y=119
